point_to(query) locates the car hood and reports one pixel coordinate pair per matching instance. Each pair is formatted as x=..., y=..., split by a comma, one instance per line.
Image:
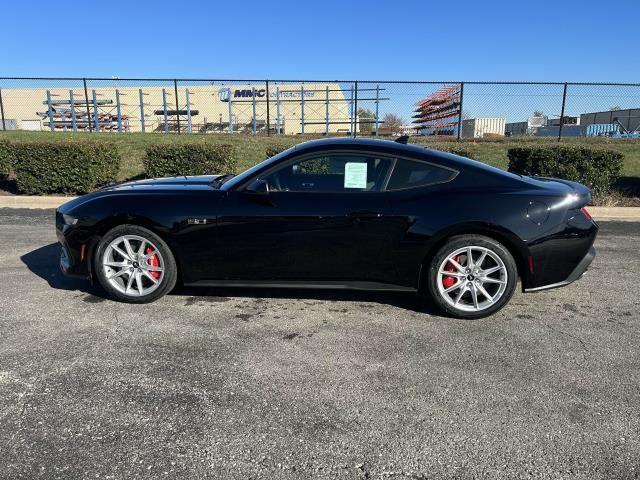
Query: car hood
x=167, y=183
x=171, y=185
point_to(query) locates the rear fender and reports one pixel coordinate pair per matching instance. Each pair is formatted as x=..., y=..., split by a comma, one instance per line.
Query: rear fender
x=511, y=241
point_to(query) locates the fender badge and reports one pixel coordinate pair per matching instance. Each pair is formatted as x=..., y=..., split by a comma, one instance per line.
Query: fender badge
x=196, y=221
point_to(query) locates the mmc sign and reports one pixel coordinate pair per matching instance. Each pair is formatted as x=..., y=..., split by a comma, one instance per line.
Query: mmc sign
x=225, y=93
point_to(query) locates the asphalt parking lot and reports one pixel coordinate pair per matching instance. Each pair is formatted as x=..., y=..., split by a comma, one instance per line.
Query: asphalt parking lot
x=290, y=384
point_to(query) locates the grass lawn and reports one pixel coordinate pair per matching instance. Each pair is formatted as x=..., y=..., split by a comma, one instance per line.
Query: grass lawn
x=251, y=149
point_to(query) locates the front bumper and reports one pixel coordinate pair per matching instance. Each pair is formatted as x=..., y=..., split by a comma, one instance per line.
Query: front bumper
x=75, y=249
x=577, y=272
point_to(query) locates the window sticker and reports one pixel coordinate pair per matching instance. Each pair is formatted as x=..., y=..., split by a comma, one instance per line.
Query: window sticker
x=355, y=175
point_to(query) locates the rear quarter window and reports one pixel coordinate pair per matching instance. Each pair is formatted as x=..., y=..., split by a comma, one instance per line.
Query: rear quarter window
x=413, y=173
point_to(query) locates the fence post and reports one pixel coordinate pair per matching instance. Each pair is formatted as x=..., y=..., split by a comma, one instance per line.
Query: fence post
x=253, y=121
x=278, y=124
x=302, y=109
x=164, y=111
x=72, y=107
x=460, y=111
x=86, y=103
x=355, y=112
x=189, y=124
x=564, y=101
x=230, y=112
x=326, y=112
x=141, y=109
x=351, y=112
x=96, y=117
x=4, y=126
x=377, y=108
x=50, y=111
x=175, y=91
x=118, y=111
x=268, y=116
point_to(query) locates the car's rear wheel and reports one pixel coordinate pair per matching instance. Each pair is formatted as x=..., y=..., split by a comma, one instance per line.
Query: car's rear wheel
x=134, y=265
x=472, y=276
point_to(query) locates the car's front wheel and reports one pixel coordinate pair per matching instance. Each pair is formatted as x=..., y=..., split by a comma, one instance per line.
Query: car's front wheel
x=472, y=276
x=134, y=264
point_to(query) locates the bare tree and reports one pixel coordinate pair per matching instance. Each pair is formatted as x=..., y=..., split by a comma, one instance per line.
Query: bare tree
x=393, y=122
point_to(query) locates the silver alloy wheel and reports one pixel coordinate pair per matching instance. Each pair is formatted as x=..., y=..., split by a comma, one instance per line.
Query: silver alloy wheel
x=128, y=265
x=479, y=278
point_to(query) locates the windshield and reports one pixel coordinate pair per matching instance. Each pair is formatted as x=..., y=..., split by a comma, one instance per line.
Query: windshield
x=242, y=177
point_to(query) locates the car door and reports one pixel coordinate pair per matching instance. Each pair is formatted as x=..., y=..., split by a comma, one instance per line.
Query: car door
x=324, y=218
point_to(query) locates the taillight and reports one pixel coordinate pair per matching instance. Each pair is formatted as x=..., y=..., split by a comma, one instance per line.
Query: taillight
x=586, y=214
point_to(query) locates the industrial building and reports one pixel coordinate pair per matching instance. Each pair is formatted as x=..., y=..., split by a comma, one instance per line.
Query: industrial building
x=530, y=127
x=567, y=131
x=628, y=119
x=542, y=125
x=479, y=127
x=293, y=108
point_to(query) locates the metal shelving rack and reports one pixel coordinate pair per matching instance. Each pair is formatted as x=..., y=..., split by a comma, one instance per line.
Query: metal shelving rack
x=78, y=112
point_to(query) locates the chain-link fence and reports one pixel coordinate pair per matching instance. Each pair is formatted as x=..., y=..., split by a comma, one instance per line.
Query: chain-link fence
x=321, y=108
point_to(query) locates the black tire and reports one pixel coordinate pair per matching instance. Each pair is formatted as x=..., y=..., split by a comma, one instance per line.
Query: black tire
x=170, y=274
x=456, y=243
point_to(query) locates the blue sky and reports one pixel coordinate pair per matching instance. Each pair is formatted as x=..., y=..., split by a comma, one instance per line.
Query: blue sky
x=414, y=40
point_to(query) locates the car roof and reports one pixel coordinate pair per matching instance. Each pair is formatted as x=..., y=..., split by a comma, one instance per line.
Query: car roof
x=364, y=143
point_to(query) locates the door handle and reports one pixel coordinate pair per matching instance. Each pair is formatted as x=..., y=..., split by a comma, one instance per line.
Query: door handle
x=308, y=185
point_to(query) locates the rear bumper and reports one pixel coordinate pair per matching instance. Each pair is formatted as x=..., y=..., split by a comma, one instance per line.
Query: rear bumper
x=577, y=272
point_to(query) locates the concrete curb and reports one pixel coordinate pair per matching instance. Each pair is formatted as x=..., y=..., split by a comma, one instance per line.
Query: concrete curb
x=25, y=201
x=631, y=214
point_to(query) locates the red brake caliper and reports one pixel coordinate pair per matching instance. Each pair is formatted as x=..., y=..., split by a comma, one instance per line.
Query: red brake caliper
x=153, y=262
x=450, y=281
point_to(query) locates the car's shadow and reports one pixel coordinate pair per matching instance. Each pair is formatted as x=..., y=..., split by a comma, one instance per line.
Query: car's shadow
x=44, y=263
x=406, y=301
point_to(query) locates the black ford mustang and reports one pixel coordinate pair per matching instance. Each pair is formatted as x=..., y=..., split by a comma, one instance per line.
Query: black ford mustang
x=336, y=213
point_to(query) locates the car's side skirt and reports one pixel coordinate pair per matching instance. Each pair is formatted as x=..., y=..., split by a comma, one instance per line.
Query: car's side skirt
x=330, y=285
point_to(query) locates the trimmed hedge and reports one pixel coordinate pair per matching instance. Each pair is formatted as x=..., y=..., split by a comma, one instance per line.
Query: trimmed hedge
x=64, y=167
x=594, y=167
x=272, y=150
x=5, y=160
x=168, y=160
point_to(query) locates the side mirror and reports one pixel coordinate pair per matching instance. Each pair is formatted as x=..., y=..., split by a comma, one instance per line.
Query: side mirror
x=258, y=187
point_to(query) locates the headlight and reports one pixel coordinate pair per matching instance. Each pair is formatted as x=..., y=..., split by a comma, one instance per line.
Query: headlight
x=68, y=219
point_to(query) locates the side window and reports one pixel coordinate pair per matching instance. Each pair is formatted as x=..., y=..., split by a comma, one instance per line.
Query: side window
x=331, y=173
x=413, y=173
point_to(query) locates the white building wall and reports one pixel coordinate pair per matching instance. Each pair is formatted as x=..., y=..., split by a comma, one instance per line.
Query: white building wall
x=479, y=127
